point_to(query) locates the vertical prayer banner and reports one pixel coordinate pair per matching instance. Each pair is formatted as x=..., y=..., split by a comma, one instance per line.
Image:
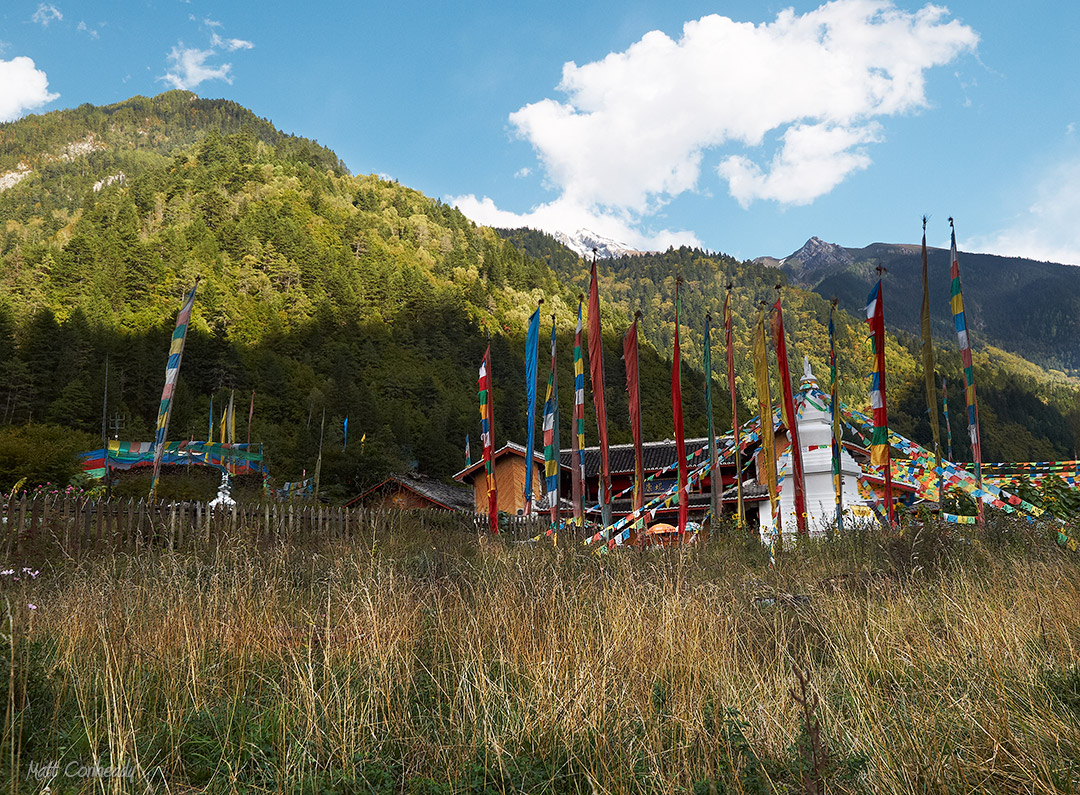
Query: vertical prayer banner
x=551, y=436
x=945, y=411
x=960, y=323
x=487, y=438
x=577, y=441
x=740, y=509
x=787, y=404
x=837, y=437
x=468, y=453
x=633, y=389
x=764, y=396
x=715, y=480
x=879, y=442
x=929, y=379
x=172, y=371
x=532, y=350
x=596, y=372
x=677, y=412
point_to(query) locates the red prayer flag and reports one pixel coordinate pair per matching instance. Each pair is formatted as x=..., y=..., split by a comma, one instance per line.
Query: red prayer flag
x=790, y=419
x=676, y=410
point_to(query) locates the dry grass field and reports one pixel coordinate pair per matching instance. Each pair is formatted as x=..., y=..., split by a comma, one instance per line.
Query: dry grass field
x=427, y=660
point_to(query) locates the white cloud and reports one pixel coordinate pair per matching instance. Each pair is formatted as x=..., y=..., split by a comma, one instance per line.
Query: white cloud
x=23, y=87
x=188, y=68
x=522, y=172
x=46, y=14
x=229, y=44
x=1047, y=230
x=563, y=215
x=635, y=127
x=87, y=30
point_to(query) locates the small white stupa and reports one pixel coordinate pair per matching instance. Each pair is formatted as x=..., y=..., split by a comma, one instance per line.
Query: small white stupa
x=815, y=439
x=224, y=497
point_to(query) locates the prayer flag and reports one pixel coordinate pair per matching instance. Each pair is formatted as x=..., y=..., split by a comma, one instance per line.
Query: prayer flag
x=577, y=437
x=929, y=378
x=768, y=442
x=677, y=412
x=633, y=388
x=715, y=480
x=960, y=322
x=487, y=437
x=172, y=372
x=596, y=372
x=734, y=407
x=551, y=436
x=879, y=442
x=790, y=419
x=837, y=433
x=532, y=350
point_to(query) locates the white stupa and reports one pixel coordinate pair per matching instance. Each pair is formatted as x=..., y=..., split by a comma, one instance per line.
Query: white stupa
x=224, y=497
x=815, y=439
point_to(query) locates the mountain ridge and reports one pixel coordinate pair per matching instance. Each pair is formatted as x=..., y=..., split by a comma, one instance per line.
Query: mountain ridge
x=1020, y=305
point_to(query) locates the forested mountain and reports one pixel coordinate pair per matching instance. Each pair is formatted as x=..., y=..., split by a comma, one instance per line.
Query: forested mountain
x=1020, y=305
x=355, y=296
x=319, y=290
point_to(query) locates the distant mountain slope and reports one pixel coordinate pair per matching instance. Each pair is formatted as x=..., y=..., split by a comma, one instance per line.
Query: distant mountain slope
x=1026, y=412
x=1019, y=305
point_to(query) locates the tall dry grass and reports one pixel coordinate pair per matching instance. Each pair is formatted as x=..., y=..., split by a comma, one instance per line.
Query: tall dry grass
x=437, y=662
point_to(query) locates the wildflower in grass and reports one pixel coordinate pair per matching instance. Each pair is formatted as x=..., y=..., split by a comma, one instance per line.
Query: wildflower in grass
x=31, y=605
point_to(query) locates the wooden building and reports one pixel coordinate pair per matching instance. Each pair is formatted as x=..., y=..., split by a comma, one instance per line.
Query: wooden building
x=509, y=461
x=405, y=492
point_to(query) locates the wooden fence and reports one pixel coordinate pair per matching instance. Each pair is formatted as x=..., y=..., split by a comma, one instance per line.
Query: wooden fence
x=74, y=526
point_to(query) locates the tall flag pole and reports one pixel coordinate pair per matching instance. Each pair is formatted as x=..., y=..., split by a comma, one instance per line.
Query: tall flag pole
x=577, y=431
x=596, y=372
x=487, y=437
x=677, y=412
x=969, y=371
x=768, y=441
x=880, y=452
x=468, y=453
x=251, y=416
x=837, y=433
x=172, y=371
x=105, y=427
x=551, y=437
x=929, y=370
x=532, y=350
x=633, y=389
x=945, y=411
x=734, y=407
x=318, y=461
x=210, y=425
x=715, y=480
x=791, y=420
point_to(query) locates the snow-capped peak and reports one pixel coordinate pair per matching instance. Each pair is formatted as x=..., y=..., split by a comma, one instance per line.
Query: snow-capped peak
x=583, y=242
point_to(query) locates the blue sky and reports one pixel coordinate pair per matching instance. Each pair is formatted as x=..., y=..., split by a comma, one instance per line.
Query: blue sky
x=745, y=127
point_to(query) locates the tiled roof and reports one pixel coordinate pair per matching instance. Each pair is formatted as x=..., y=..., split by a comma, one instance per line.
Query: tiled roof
x=655, y=455
x=452, y=497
